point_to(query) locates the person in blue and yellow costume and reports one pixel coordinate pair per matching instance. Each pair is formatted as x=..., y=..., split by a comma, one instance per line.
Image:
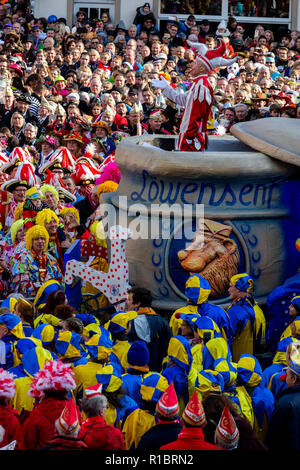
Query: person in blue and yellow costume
x=214, y=345
x=120, y=405
x=236, y=394
x=69, y=349
x=138, y=365
x=197, y=291
x=250, y=378
x=247, y=319
x=45, y=333
x=272, y=374
x=32, y=358
x=178, y=365
x=208, y=381
x=25, y=311
x=49, y=295
x=187, y=329
x=11, y=330
x=34, y=266
x=98, y=347
x=119, y=326
x=293, y=328
x=140, y=420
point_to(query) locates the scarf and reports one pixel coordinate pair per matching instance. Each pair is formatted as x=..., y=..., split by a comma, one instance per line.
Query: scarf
x=42, y=262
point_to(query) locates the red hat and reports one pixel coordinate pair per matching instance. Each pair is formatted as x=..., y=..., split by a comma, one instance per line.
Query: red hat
x=7, y=384
x=212, y=58
x=227, y=433
x=84, y=172
x=194, y=413
x=68, y=422
x=54, y=179
x=26, y=172
x=22, y=154
x=17, y=68
x=93, y=391
x=168, y=405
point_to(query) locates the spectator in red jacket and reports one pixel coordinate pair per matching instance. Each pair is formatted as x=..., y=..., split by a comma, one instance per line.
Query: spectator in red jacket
x=95, y=432
x=191, y=437
x=50, y=387
x=10, y=426
x=67, y=429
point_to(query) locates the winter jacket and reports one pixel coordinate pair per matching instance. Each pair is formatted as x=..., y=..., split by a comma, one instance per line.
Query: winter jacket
x=158, y=436
x=98, y=435
x=190, y=439
x=284, y=425
x=65, y=443
x=39, y=427
x=9, y=420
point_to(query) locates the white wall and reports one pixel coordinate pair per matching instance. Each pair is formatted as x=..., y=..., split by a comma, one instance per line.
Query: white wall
x=45, y=8
x=128, y=10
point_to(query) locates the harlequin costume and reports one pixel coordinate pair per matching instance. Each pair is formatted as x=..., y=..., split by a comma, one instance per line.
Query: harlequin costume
x=31, y=270
x=250, y=377
x=247, y=319
x=178, y=365
x=15, y=331
x=197, y=290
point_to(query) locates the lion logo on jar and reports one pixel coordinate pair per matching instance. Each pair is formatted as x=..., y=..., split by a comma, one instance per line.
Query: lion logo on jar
x=213, y=255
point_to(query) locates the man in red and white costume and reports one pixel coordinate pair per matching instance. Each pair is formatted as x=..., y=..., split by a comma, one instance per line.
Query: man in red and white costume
x=197, y=101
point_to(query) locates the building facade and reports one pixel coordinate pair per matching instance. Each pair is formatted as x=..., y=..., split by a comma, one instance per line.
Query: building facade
x=249, y=12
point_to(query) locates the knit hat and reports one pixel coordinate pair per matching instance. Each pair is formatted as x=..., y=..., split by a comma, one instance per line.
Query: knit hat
x=7, y=384
x=227, y=434
x=68, y=422
x=211, y=58
x=138, y=354
x=55, y=376
x=194, y=413
x=168, y=405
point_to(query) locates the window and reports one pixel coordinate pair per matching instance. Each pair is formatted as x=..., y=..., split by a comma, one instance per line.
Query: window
x=191, y=7
x=261, y=8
